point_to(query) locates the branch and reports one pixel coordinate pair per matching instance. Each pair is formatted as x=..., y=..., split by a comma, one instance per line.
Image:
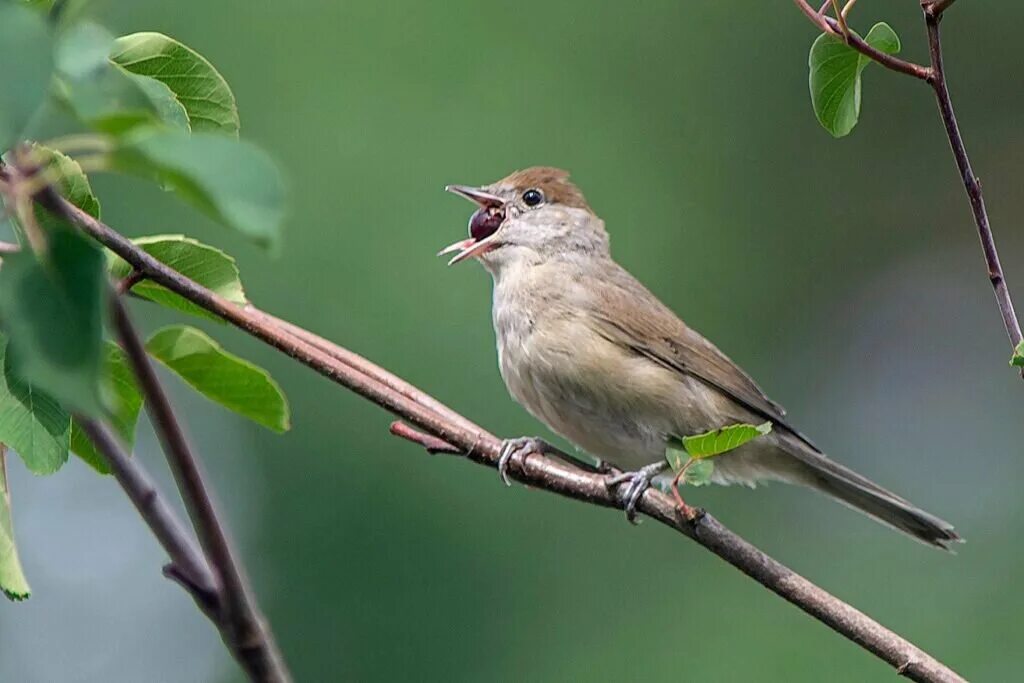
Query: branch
x=932, y=15
x=535, y=470
x=188, y=562
x=243, y=628
x=935, y=76
x=829, y=25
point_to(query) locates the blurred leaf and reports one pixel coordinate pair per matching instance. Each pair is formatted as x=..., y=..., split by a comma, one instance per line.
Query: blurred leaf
x=51, y=309
x=835, y=75
x=168, y=109
x=676, y=455
x=26, y=54
x=202, y=91
x=12, y=578
x=699, y=473
x=232, y=181
x=233, y=382
x=31, y=423
x=70, y=181
x=102, y=94
x=1018, y=355
x=718, y=441
x=121, y=401
x=208, y=266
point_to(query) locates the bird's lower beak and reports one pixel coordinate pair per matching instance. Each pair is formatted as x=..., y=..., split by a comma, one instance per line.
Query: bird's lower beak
x=483, y=226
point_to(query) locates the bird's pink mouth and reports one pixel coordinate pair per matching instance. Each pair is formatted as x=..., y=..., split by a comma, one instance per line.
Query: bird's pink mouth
x=483, y=224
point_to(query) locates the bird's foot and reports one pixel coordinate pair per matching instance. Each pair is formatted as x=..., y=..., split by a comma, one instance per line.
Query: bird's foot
x=518, y=448
x=637, y=482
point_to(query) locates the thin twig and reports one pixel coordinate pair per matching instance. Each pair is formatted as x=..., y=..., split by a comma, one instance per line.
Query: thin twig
x=536, y=470
x=187, y=559
x=125, y=284
x=932, y=14
x=829, y=25
x=431, y=443
x=243, y=627
x=935, y=76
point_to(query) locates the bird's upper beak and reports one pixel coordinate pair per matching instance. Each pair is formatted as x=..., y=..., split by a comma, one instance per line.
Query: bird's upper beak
x=482, y=226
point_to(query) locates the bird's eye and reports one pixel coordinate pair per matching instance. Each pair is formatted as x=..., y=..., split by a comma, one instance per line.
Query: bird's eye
x=533, y=197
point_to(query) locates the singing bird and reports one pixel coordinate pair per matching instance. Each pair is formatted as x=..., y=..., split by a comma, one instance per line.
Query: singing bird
x=595, y=356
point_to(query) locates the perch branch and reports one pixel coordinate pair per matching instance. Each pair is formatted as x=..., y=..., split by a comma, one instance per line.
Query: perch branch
x=244, y=630
x=536, y=470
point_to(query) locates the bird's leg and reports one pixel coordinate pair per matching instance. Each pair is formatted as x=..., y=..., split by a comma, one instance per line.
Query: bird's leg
x=638, y=482
x=519, y=448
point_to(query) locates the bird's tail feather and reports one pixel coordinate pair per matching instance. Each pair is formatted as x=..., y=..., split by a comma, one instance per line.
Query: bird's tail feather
x=848, y=487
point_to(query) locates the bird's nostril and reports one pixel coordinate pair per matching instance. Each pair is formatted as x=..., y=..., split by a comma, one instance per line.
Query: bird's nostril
x=485, y=222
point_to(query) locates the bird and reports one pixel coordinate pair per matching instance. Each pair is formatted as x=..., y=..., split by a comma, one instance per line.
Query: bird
x=594, y=355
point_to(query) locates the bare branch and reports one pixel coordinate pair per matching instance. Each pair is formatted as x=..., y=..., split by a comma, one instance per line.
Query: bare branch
x=431, y=443
x=932, y=15
x=243, y=627
x=536, y=470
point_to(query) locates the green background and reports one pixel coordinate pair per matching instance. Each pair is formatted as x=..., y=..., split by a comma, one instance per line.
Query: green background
x=844, y=274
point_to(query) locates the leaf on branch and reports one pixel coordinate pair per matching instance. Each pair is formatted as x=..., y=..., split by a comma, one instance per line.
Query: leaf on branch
x=835, y=76
x=102, y=94
x=34, y=425
x=205, y=95
x=1018, y=355
x=695, y=452
x=718, y=441
x=232, y=181
x=71, y=182
x=12, y=578
x=206, y=265
x=122, y=401
x=222, y=377
x=51, y=309
x=26, y=54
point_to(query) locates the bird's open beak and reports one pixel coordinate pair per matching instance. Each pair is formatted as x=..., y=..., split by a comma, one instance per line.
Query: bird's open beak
x=491, y=209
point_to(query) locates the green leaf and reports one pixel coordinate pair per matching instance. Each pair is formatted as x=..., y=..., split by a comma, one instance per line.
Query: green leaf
x=1018, y=355
x=699, y=473
x=31, y=423
x=718, y=441
x=26, y=55
x=202, y=91
x=233, y=382
x=70, y=181
x=102, y=94
x=12, y=578
x=208, y=266
x=234, y=182
x=676, y=455
x=835, y=76
x=122, y=401
x=51, y=309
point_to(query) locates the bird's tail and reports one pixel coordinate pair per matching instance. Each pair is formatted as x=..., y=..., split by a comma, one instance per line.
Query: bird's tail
x=829, y=477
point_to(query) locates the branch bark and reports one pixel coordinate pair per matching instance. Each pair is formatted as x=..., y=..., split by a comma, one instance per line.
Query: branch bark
x=935, y=76
x=242, y=626
x=442, y=424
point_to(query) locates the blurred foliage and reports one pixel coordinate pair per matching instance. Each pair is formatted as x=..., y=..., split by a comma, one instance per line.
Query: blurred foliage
x=843, y=274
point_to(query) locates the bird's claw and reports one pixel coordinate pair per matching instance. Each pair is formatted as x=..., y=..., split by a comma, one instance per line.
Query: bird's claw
x=519, y=447
x=636, y=483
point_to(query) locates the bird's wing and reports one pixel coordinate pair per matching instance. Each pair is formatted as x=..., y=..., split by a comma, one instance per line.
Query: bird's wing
x=661, y=336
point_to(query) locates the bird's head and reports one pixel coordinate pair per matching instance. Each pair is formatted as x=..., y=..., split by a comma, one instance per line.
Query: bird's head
x=533, y=215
